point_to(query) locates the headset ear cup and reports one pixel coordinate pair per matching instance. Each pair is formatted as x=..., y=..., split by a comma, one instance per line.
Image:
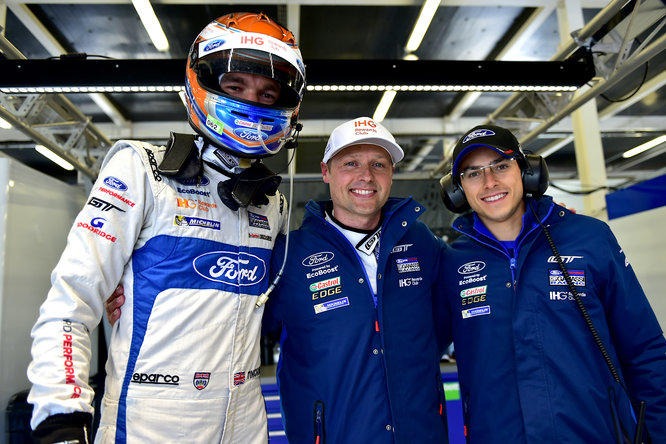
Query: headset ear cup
x=535, y=176
x=452, y=195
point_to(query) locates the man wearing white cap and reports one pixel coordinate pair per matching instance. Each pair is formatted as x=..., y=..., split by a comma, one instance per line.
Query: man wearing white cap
x=359, y=359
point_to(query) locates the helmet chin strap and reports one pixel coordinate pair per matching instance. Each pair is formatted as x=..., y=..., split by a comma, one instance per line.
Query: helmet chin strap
x=249, y=182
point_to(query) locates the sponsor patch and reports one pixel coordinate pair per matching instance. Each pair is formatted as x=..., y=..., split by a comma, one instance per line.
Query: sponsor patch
x=260, y=236
x=114, y=182
x=563, y=295
x=201, y=380
x=95, y=226
x=331, y=305
x=471, y=267
x=258, y=221
x=409, y=282
x=155, y=379
x=117, y=196
x=187, y=221
x=239, y=378
x=251, y=135
x=369, y=243
x=326, y=269
x=230, y=268
x=321, y=285
x=476, y=311
x=68, y=359
x=473, y=291
x=555, y=277
x=193, y=191
x=243, y=377
x=473, y=279
x=478, y=133
x=469, y=300
x=401, y=248
x=195, y=181
x=565, y=259
x=318, y=259
x=194, y=204
x=153, y=165
x=408, y=265
x=103, y=205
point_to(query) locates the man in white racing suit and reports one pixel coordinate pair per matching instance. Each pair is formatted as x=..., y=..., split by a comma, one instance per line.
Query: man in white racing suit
x=188, y=231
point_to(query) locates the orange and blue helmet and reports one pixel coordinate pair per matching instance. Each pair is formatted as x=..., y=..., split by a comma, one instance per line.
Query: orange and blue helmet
x=244, y=43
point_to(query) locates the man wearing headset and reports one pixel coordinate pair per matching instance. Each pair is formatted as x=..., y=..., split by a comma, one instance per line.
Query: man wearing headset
x=531, y=367
x=188, y=231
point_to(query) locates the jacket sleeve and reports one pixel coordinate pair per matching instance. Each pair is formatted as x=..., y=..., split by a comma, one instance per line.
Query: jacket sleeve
x=441, y=308
x=99, y=246
x=272, y=319
x=637, y=336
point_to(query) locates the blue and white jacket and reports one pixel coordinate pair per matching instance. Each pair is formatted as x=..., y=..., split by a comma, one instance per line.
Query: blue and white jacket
x=184, y=357
x=529, y=368
x=351, y=371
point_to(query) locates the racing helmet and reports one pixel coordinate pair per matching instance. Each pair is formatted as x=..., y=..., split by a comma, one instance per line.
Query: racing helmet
x=244, y=43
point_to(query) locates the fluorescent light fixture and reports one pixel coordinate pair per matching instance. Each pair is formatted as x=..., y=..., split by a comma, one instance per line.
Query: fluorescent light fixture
x=92, y=89
x=4, y=124
x=167, y=75
x=425, y=17
x=443, y=88
x=41, y=149
x=152, y=25
x=384, y=105
x=644, y=147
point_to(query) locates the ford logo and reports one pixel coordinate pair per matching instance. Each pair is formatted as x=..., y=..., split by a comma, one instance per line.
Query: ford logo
x=193, y=181
x=214, y=44
x=115, y=183
x=237, y=269
x=249, y=134
x=478, y=133
x=471, y=267
x=317, y=259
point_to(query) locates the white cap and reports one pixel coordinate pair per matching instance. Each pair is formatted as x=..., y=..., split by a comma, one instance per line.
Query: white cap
x=362, y=130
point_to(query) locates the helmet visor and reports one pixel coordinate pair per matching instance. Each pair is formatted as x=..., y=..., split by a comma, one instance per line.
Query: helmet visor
x=211, y=67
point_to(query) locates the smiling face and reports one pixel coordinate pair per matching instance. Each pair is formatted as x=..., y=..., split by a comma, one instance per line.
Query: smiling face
x=359, y=179
x=496, y=199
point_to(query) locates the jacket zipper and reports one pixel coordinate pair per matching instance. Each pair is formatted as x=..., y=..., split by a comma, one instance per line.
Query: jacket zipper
x=319, y=423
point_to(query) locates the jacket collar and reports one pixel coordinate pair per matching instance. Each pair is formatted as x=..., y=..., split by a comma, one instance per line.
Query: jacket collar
x=393, y=204
x=472, y=226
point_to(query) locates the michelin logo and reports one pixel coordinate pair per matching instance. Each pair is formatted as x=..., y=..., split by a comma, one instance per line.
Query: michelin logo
x=331, y=305
x=476, y=311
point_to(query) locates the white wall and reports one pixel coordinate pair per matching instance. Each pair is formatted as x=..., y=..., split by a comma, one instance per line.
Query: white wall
x=643, y=238
x=36, y=213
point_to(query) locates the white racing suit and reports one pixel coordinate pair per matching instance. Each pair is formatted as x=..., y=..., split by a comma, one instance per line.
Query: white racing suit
x=184, y=357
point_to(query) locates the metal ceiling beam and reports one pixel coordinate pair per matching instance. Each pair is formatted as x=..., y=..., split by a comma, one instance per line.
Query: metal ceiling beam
x=53, y=47
x=610, y=111
x=526, y=31
x=54, y=122
x=507, y=111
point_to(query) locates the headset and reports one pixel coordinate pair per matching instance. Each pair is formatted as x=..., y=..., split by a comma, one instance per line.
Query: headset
x=534, y=172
